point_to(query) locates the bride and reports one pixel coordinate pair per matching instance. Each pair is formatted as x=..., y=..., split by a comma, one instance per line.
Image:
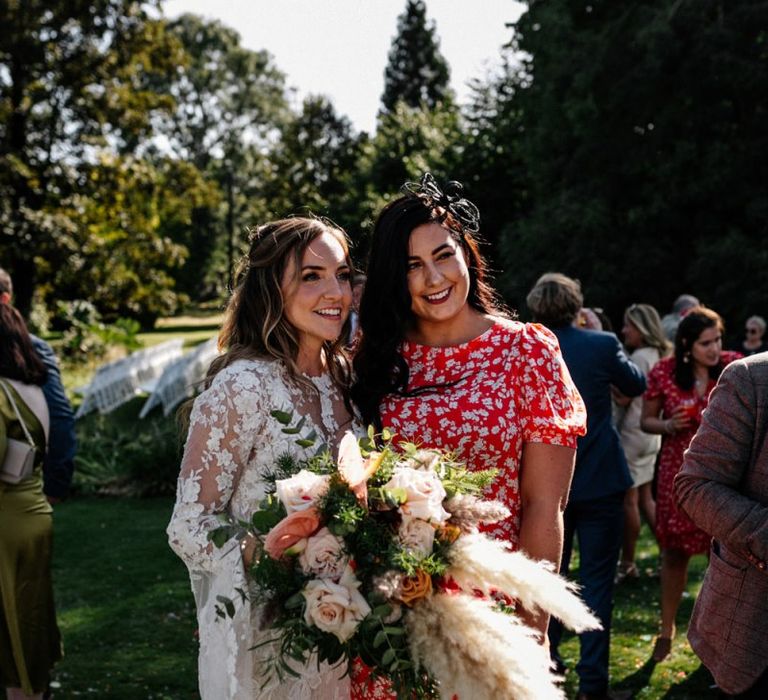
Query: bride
x=283, y=339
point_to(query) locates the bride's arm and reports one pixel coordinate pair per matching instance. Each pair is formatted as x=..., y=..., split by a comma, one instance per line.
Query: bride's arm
x=224, y=423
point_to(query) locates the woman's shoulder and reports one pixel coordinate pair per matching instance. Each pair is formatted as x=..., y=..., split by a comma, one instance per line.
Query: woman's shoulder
x=528, y=337
x=664, y=368
x=248, y=374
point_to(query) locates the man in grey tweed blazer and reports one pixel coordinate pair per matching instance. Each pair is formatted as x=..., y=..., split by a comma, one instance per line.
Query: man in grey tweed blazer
x=723, y=487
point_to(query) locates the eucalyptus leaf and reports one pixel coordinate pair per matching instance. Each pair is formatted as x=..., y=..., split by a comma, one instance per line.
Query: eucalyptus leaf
x=381, y=611
x=221, y=535
x=282, y=416
x=379, y=639
x=229, y=606
x=388, y=657
x=295, y=601
x=305, y=442
x=394, y=630
x=265, y=520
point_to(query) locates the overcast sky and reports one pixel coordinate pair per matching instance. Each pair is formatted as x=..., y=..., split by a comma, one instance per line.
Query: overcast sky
x=339, y=48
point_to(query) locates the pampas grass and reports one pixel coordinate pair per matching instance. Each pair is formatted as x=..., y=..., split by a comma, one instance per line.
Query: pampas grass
x=468, y=512
x=477, y=652
x=478, y=562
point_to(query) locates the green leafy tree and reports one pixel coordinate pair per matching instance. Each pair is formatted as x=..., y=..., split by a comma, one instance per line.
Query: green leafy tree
x=311, y=167
x=117, y=253
x=644, y=139
x=408, y=142
x=230, y=101
x=416, y=72
x=74, y=77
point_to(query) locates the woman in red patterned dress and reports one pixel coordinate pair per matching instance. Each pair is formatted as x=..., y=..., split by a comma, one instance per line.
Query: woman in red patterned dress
x=678, y=391
x=442, y=365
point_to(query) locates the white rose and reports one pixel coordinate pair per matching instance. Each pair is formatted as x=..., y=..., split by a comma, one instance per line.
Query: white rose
x=323, y=555
x=416, y=535
x=336, y=608
x=424, y=494
x=301, y=491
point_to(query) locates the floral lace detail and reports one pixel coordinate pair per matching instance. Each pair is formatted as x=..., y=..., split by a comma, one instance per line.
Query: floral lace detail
x=232, y=444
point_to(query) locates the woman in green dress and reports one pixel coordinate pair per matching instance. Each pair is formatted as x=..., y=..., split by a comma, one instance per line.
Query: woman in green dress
x=29, y=637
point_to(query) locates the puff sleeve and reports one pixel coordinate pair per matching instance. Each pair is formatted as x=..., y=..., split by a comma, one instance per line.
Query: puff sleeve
x=551, y=408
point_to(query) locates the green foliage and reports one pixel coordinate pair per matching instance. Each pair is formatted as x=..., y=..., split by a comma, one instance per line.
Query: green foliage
x=119, y=454
x=644, y=126
x=86, y=338
x=416, y=72
x=76, y=78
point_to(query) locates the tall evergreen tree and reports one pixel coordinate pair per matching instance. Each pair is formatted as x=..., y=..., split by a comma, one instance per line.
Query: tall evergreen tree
x=416, y=73
x=644, y=140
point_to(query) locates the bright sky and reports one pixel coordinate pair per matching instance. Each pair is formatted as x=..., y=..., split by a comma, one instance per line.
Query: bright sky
x=339, y=48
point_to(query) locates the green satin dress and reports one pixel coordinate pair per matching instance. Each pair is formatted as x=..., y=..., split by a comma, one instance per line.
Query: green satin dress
x=29, y=637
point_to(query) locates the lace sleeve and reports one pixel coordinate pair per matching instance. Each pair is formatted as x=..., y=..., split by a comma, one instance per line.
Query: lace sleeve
x=224, y=424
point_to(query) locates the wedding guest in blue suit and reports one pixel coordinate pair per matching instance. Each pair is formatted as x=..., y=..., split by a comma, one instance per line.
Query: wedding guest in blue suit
x=596, y=361
x=59, y=464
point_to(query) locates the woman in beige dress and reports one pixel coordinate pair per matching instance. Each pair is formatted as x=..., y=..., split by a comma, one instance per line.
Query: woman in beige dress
x=644, y=339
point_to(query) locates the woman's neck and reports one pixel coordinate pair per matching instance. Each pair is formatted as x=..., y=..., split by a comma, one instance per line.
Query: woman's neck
x=311, y=360
x=465, y=326
x=753, y=344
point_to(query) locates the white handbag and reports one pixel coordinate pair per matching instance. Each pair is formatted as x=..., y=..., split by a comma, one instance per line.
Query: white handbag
x=19, y=461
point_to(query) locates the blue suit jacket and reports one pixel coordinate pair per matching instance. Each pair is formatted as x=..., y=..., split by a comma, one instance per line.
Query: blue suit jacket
x=596, y=360
x=59, y=462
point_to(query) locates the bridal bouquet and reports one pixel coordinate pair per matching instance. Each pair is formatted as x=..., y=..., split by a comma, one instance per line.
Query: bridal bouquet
x=377, y=556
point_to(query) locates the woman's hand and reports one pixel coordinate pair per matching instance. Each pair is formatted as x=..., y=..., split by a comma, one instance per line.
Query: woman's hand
x=680, y=419
x=248, y=550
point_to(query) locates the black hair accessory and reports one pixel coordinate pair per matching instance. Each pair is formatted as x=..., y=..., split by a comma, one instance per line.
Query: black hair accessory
x=462, y=212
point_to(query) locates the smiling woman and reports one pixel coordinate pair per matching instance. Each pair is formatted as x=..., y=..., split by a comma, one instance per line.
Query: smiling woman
x=283, y=339
x=442, y=365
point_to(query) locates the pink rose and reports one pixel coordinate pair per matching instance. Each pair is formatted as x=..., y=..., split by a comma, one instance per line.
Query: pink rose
x=416, y=535
x=324, y=555
x=290, y=530
x=336, y=608
x=424, y=494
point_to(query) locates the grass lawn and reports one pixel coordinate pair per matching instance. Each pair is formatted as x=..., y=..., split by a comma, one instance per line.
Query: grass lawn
x=126, y=612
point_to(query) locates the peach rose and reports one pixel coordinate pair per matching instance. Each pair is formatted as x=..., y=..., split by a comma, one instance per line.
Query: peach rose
x=414, y=587
x=324, y=555
x=416, y=535
x=336, y=608
x=290, y=530
x=424, y=494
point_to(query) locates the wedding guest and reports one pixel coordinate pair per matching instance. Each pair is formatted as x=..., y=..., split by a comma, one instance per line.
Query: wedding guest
x=671, y=321
x=644, y=339
x=59, y=464
x=678, y=391
x=754, y=341
x=595, y=511
x=723, y=488
x=282, y=335
x=441, y=364
x=29, y=637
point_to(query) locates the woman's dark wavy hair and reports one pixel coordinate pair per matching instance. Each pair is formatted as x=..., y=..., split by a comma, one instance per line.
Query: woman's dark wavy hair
x=385, y=308
x=693, y=324
x=18, y=359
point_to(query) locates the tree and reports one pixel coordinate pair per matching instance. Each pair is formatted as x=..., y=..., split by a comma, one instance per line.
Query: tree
x=311, y=167
x=644, y=135
x=230, y=103
x=416, y=73
x=74, y=77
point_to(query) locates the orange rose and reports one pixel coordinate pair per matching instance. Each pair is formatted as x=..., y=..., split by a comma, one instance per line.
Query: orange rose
x=414, y=587
x=297, y=526
x=448, y=533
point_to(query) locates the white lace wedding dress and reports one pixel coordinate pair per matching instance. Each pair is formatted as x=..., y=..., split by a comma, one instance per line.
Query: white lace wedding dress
x=232, y=442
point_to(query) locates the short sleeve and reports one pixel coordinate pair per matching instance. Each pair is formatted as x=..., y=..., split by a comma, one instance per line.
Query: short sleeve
x=224, y=424
x=551, y=408
x=656, y=379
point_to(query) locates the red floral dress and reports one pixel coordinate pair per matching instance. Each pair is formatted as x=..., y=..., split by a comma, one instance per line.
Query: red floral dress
x=491, y=395
x=674, y=530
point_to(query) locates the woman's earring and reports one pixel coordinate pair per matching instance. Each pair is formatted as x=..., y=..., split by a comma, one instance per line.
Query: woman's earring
x=687, y=357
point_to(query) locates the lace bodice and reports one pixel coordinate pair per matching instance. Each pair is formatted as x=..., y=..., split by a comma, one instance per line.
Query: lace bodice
x=232, y=443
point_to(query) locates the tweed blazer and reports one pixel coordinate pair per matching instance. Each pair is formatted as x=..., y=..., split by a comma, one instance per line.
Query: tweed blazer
x=723, y=487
